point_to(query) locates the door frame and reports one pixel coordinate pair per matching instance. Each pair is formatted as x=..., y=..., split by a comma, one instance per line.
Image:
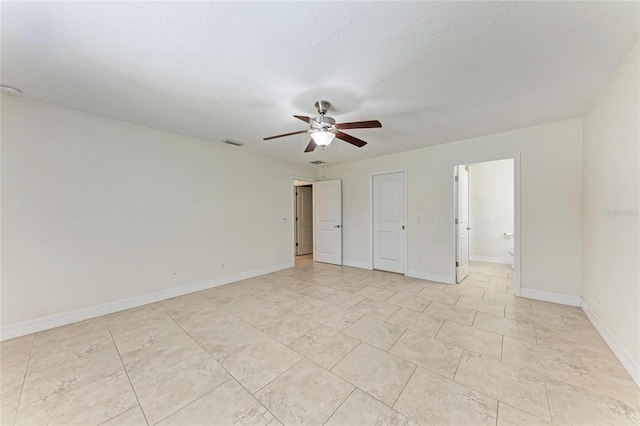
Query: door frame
x=406, y=211
x=515, y=156
x=293, y=209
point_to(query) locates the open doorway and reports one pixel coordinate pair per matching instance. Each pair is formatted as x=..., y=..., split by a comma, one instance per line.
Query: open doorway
x=486, y=222
x=303, y=218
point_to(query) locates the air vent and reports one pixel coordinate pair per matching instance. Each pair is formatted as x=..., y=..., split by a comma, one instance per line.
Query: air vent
x=317, y=162
x=234, y=143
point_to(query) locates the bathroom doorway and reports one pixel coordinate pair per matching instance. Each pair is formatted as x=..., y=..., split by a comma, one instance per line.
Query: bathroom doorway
x=486, y=221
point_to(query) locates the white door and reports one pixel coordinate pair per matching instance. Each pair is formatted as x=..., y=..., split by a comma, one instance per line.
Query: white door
x=389, y=220
x=327, y=215
x=304, y=220
x=462, y=223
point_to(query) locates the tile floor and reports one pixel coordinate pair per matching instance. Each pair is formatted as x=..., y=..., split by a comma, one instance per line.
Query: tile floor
x=320, y=344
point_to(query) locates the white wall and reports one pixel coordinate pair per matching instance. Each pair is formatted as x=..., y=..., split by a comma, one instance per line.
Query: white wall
x=611, y=158
x=491, y=209
x=551, y=180
x=96, y=210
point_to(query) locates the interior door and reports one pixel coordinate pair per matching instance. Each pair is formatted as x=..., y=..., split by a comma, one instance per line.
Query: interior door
x=462, y=223
x=328, y=221
x=304, y=220
x=389, y=215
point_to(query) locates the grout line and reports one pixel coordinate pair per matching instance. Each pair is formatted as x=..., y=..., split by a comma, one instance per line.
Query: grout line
x=453, y=379
x=405, y=385
x=24, y=379
x=334, y=411
x=397, y=340
x=127, y=373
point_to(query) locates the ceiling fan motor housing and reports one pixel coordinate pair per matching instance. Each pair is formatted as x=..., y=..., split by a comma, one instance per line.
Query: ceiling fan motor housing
x=323, y=107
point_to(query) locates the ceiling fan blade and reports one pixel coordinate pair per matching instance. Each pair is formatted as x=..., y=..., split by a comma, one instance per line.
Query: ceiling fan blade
x=286, y=134
x=303, y=118
x=360, y=125
x=348, y=138
x=312, y=145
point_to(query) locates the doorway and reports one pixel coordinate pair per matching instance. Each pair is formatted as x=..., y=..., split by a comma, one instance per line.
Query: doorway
x=303, y=217
x=388, y=221
x=486, y=218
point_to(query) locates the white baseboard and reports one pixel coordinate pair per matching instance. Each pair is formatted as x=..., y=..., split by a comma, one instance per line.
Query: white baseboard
x=445, y=279
x=547, y=296
x=627, y=361
x=57, y=320
x=502, y=260
x=356, y=264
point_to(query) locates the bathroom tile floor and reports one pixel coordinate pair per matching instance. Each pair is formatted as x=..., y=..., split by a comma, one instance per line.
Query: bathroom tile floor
x=321, y=344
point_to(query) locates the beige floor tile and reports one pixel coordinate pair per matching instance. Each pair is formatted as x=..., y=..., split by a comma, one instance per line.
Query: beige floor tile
x=425, y=351
x=306, y=394
x=361, y=409
x=573, y=405
x=416, y=321
x=254, y=310
x=499, y=280
x=15, y=351
x=479, y=276
x=377, y=333
x=507, y=299
x=441, y=296
x=140, y=327
x=91, y=404
x=489, y=286
x=375, y=309
x=335, y=317
x=224, y=293
x=42, y=385
x=131, y=417
x=447, y=403
x=11, y=379
x=612, y=380
x=415, y=303
x=343, y=299
x=204, y=321
x=407, y=287
x=463, y=290
x=173, y=388
x=193, y=302
x=378, y=373
x=304, y=306
x=534, y=317
x=8, y=408
x=576, y=344
x=473, y=339
x=579, y=324
x=317, y=291
x=288, y=327
x=164, y=353
x=555, y=308
x=281, y=295
x=504, y=382
x=505, y=326
x=545, y=361
x=375, y=293
x=259, y=361
x=432, y=284
x=229, y=404
x=275, y=422
x=325, y=346
x=453, y=313
x=509, y=416
x=481, y=305
x=69, y=342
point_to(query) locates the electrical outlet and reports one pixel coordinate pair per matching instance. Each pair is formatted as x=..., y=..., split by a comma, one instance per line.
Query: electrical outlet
x=222, y=265
x=174, y=275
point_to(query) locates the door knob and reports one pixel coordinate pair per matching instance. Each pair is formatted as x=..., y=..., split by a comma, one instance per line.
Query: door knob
x=468, y=228
x=402, y=226
x=336, y=226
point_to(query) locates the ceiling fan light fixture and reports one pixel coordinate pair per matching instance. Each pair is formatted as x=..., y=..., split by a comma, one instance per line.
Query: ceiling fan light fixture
x=322, y=138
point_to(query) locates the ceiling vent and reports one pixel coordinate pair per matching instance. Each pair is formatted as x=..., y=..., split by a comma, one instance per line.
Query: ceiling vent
x=317, y=162
x=230, y=142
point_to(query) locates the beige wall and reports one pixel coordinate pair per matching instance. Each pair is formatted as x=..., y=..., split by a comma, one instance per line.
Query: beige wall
x=491, y=209
x=551, y=201
x=611, y=158
x=96, y=210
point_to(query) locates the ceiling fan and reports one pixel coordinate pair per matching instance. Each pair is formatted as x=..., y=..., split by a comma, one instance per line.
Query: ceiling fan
x=324, y=129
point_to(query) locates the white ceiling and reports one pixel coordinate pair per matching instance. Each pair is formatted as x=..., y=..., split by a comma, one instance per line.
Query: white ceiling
x=431, y=72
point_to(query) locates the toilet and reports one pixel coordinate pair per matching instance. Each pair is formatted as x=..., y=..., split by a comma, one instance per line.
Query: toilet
x=511, y=253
